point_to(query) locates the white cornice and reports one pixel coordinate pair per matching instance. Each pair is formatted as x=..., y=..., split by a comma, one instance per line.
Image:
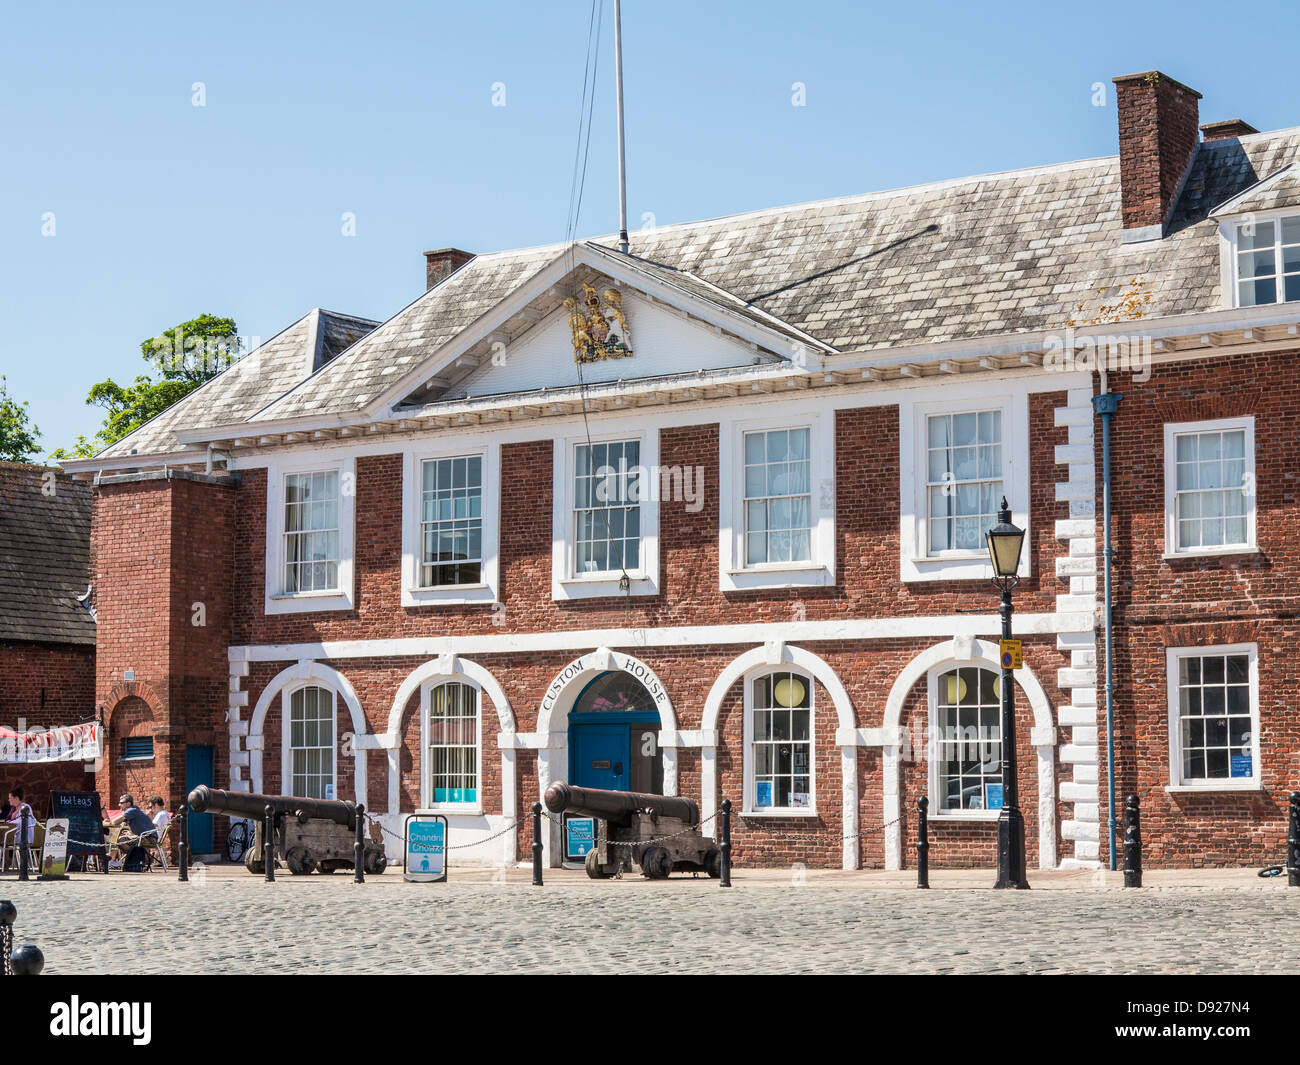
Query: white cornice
x=1176, y=338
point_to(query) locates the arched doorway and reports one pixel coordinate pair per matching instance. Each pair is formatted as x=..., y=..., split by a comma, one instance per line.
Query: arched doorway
x=613, y=736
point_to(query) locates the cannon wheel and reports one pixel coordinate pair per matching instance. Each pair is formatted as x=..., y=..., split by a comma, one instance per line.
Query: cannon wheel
x=656, y=863
x=374, y=861
x=713, y=864
x=592, y=864
x=300, y=861
x=253, y=862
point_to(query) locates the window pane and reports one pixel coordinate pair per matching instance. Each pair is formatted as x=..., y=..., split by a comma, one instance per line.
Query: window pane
x=778, y=511
x=970, y=762
x=1259, y=235
x=965, y=478
x=452, y=738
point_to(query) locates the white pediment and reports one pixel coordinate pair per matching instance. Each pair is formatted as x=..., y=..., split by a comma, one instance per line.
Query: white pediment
x=663, y=341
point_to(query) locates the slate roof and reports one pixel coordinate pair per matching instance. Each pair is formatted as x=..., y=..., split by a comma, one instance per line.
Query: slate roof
x=980, y=257
x=44, y=556
x=248, y=385
x=1279, y=189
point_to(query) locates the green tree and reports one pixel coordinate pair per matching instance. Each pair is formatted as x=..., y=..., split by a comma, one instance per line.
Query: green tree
x=18, y=435
x=185, y=356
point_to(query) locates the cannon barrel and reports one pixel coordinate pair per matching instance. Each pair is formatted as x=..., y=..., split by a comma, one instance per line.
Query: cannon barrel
x=617, y=807
x=204, y=799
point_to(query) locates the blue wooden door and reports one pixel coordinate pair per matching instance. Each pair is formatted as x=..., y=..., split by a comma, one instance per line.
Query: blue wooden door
x=199, y=769
x=600, y=756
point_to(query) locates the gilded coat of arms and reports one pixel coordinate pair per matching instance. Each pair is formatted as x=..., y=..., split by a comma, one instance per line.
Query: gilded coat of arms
x=598, y=326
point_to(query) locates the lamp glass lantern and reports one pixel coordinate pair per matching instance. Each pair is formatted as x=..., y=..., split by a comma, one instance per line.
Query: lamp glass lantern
x=1005, y=542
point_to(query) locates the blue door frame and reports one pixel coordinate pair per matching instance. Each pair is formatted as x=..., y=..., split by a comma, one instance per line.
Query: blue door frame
x=199, y=769
x=598, y=756
x=601, y=743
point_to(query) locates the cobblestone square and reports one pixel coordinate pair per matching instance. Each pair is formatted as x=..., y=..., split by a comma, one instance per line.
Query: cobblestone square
x=228, y=922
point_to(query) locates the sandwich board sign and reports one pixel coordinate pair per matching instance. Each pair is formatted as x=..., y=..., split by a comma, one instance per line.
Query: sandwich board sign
x=579, y=837
x=54, y=852
x=426, y=849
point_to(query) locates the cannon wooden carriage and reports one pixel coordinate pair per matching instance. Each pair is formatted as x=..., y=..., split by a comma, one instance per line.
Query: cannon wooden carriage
x=656, y=834
x=310, y=834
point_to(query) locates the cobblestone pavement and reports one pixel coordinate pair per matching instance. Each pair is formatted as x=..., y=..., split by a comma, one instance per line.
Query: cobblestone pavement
x=230, y=922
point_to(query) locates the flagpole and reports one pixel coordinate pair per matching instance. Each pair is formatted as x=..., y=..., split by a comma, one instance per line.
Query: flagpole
x=622, y=150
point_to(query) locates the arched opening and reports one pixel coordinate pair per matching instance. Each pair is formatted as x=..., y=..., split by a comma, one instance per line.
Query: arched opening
x=129, y=750
x=613, y=736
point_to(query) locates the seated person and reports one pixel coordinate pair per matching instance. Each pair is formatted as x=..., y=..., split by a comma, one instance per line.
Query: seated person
x=136, y=822
x=17, y=809
x=158, y=814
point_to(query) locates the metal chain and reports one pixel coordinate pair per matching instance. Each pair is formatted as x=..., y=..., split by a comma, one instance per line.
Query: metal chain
x=7, y=948
x=515, y=824
x=638, y=842
x=808, y=838
x=451, y=847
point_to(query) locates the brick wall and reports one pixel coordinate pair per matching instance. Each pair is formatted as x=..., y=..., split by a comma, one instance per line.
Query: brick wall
x=868, y=671
x=867, y=550
x=182, y=674
x=1158, y=135
x=162, y=550
x=1162, y=603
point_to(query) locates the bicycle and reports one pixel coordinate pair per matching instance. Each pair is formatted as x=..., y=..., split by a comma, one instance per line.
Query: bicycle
x=238, y=840
x=1272, y=870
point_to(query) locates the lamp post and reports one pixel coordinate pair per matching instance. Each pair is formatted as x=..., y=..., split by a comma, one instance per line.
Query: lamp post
x=1004, y=543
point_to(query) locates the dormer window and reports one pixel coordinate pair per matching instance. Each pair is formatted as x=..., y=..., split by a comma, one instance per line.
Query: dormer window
x=1268, y=261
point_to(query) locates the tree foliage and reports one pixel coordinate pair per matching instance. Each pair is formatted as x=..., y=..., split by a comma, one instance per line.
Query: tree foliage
x=185, y=356
x=18, y=435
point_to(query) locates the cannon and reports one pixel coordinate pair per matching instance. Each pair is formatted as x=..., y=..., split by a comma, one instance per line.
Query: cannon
x=310, y=834
x=631, y=831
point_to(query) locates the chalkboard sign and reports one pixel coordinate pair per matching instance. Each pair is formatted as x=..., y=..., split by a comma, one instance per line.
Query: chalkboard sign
x=85, y=818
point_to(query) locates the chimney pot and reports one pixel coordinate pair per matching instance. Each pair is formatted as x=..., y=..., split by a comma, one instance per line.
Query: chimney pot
x=1230, y=129
x=440, y=264
x=1158, y=137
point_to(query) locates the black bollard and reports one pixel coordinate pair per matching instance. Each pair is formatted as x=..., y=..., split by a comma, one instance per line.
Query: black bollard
x=8, y=914
x=725, y=845
x=1293, y=843
x=183, y=847
x=537, y=844
x=268, y=843
x=28, y=960
x=922, y=842
x=23, y=843
x=1132, y=843
x=359, y=848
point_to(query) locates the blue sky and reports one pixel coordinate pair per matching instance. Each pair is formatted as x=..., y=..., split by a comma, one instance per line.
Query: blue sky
x=163, y=210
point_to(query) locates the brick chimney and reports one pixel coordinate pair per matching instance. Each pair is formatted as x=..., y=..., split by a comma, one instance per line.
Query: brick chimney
x=440, y=264
x=1231, y=129
x=1158, y=136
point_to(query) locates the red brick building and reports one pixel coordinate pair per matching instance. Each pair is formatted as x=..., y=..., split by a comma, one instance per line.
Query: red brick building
x=707, y=518
x=47, y=627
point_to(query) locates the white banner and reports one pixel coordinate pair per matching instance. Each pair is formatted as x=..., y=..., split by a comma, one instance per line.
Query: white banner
x=74, y=743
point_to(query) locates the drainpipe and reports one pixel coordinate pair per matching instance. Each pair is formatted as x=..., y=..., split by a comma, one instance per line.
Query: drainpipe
x=1107, y=405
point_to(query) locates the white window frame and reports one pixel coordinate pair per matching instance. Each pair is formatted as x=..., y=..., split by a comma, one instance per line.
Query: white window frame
x=277, y=600
x=486, y=590
x=1229, y=265
x=937, y=812
x=286, y=733
x=733, y=573
x=426, y=769
x=1172, y=657
x=565, y=582
x=916, y=563
x=1176, y=429
x=748, y=808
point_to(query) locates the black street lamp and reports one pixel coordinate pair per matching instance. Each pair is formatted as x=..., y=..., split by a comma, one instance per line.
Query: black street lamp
x=1005, y=542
